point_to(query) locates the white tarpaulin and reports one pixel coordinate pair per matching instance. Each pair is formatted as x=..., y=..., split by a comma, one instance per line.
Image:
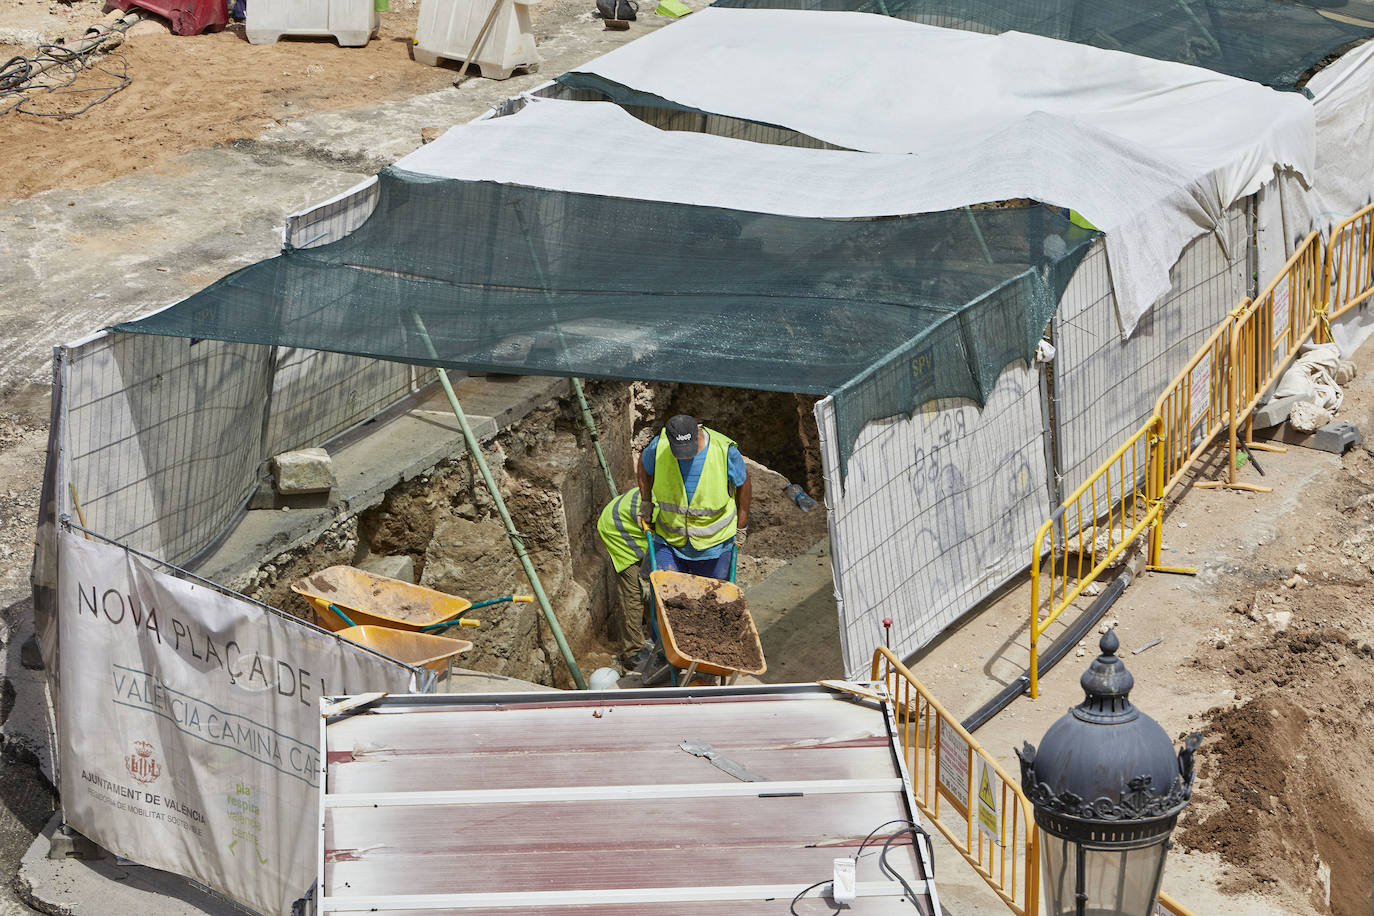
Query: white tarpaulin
x=1342, y=182
x=1151, y=152
x=189, y=722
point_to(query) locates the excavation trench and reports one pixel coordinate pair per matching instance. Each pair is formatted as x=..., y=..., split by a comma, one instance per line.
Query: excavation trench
x=446, y=523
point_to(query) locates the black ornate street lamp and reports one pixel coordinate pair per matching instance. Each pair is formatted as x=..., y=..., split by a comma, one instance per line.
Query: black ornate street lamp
x=1107, y=790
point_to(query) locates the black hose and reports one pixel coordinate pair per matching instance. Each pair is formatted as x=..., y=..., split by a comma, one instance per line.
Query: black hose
x=1057, y=650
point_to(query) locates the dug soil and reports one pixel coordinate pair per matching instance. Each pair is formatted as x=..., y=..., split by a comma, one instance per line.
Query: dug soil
x=1287, y=769
x=715, y=631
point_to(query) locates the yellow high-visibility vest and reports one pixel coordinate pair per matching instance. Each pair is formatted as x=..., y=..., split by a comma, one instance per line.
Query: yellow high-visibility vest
x=619, y=528
x=709, y=519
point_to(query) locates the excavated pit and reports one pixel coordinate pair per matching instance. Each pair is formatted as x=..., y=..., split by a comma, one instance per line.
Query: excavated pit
x=546, y=467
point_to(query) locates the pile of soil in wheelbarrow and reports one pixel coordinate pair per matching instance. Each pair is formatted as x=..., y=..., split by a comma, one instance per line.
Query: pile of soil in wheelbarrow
x=714, y=631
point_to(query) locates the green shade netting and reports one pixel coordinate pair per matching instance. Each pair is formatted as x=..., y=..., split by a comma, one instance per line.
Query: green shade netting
x=883, y=313
x=1273, y=42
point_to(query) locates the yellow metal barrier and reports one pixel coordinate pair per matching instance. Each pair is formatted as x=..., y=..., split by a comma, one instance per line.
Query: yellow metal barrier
x=1106, y=514
x=1193, y=407
x=1264, y=340
x=954, y=778
x=1171, y=906
x=1349, y=275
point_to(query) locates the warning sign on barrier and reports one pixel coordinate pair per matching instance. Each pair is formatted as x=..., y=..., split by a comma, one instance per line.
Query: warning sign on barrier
x=1280, y=320
x=953, y=773
x=1199, y=389
x=987, y=802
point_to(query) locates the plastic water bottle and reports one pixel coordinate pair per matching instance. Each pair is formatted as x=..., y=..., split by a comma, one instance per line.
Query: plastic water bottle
x=798, y=496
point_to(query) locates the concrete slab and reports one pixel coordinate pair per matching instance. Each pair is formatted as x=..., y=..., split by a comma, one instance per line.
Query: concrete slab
x=108, y=886
x=1333, y=437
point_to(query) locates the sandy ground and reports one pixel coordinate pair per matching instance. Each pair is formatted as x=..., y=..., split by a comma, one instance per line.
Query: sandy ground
x=191, y=92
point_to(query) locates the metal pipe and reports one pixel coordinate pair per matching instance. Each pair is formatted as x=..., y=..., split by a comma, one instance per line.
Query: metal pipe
x=590, y=422
x=95, y=36
x=475, y=449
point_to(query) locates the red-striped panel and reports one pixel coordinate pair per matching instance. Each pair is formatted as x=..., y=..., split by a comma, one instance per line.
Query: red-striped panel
x=544, y=767
x=610, y=727
x=871, y=906
x=723, y=865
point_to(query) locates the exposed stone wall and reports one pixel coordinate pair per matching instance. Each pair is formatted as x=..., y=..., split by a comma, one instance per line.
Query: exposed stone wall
x=546, y=468
x=447, y=523
x=776, y=429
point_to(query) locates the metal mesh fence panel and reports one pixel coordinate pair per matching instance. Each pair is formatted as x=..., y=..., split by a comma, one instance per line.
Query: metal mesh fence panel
x=1105, y=387
x=935, y=513
x=316, y=394
x=164, y=437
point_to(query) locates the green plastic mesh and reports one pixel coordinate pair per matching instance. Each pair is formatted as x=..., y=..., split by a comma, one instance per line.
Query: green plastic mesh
x=1274, y=42
x=883, y=313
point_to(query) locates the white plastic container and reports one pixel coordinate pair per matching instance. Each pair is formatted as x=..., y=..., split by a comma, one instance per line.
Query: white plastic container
x=448, y=28
x=350, y=22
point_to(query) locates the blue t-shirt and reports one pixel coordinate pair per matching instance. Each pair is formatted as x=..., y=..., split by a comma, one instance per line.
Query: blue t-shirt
x=691, y=469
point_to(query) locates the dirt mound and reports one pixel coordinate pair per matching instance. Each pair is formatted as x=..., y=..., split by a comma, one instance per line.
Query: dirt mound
x=1291, y=770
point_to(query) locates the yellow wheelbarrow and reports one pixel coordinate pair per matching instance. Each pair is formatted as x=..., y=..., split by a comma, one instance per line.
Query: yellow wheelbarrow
x=410, y=647
x=736, y=653
x=344, y=596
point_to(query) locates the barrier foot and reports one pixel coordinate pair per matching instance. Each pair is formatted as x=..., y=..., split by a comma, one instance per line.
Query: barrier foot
x=1174, y=570
x=1227, y=485
x=1265, y=447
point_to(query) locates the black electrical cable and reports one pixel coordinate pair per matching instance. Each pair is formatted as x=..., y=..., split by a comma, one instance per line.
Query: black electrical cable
x=885, y=868
x=892, y=873
x=19, y=74
x=792, y=907
x=908, y=827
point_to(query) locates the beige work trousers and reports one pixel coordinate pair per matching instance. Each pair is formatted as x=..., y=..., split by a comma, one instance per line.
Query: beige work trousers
x=629, y=620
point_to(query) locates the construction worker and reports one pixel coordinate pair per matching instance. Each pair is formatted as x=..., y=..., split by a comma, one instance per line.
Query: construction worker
x=627, y=544
x=698, y=480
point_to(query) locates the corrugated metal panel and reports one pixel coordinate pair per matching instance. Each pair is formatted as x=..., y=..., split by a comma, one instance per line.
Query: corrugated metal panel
x=707, y=849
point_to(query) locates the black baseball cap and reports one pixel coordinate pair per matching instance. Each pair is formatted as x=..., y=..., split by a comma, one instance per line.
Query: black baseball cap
x=681, y=431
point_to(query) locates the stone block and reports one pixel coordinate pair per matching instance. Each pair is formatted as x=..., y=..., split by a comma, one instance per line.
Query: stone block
x=1274, y=411
x=1333, y=437
x=399, y=567
x=308, y=470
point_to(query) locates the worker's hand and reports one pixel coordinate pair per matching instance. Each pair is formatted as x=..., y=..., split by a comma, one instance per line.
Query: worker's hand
x=739, y=537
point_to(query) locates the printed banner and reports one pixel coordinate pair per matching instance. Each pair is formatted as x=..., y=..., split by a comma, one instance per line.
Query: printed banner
x=189, y=724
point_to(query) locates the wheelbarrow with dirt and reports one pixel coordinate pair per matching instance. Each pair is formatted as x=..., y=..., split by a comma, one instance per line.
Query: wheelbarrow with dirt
x=344, y=596
x=705, y=626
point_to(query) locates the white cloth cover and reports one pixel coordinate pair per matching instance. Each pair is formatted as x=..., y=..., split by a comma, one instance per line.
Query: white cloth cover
x=1151, y=152
x=1341, y=183
x=190, y=724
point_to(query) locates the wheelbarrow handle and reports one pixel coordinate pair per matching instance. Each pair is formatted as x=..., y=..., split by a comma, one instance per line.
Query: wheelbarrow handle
x=443, y=625
x=489, y=601
x=344, y=617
